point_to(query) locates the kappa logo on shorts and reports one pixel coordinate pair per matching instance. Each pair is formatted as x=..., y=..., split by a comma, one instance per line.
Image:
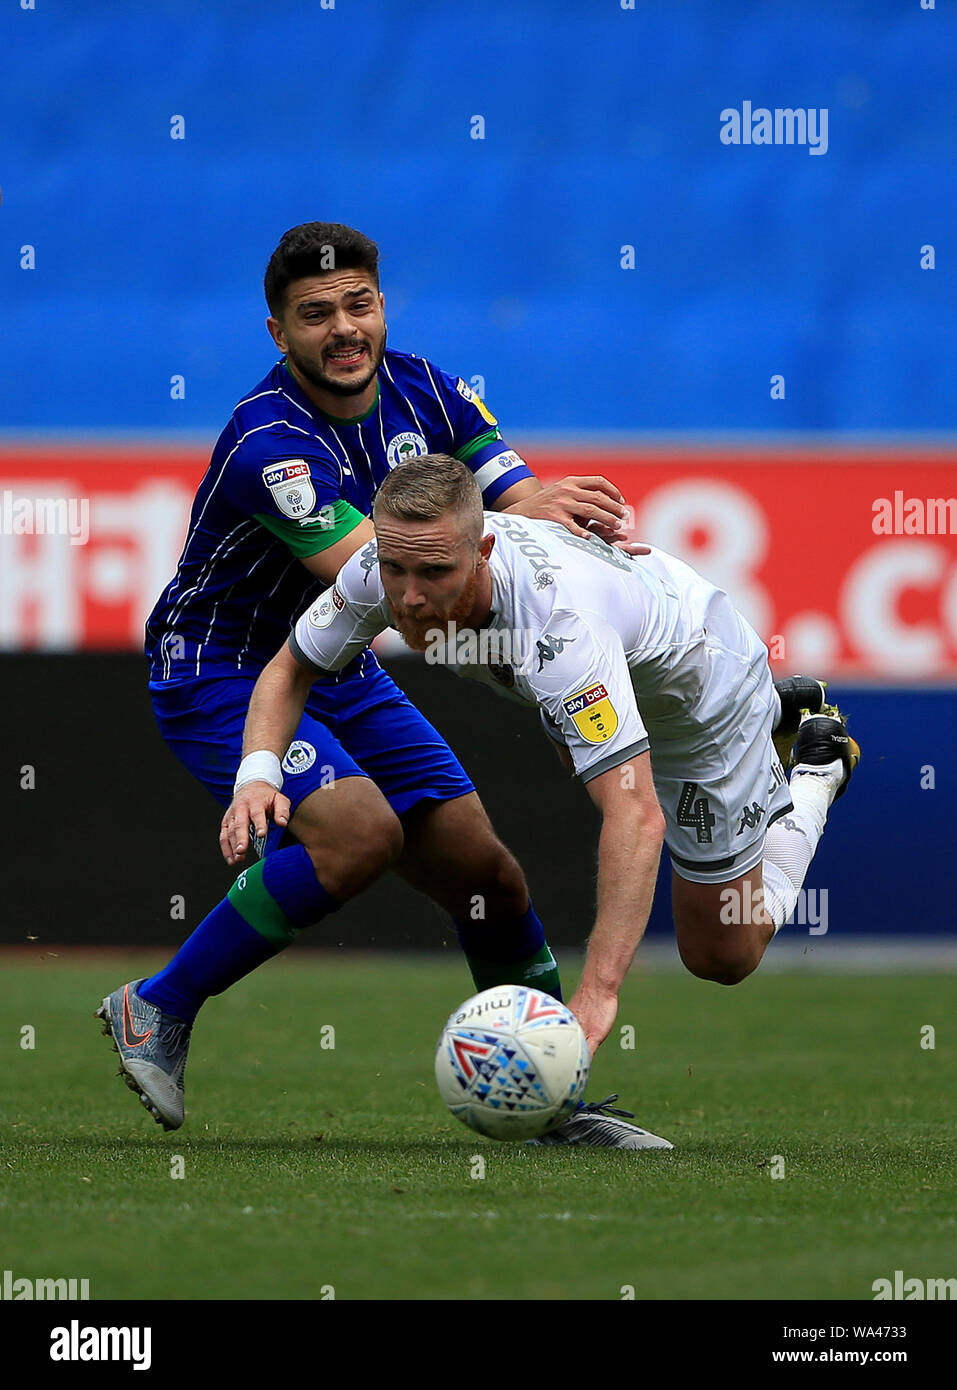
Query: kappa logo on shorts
x=300, y=756
x=750, y=818
x=593, y=712
x=291, y=486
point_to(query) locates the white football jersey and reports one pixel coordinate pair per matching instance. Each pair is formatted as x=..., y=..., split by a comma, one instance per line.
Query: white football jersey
x=620, y=653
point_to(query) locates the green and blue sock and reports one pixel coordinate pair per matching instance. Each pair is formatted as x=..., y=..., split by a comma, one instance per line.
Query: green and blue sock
x=509, y=951
x=260, y=916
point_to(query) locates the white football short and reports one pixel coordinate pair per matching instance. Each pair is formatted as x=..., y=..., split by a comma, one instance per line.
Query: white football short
x=722, y=787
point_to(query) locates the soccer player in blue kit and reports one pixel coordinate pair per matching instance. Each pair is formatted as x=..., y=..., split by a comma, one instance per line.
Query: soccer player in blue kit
x=284, y=503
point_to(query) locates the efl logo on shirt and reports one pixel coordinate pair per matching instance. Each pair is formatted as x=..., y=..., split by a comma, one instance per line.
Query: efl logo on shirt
x=291, y=486
x=593, y=712
x=326, y=609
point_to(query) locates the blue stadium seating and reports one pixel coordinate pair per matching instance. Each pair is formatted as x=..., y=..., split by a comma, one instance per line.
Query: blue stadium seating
x=500, y=256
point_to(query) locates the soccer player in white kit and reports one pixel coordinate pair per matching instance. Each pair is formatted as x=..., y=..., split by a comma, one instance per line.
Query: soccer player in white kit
x=655, y=689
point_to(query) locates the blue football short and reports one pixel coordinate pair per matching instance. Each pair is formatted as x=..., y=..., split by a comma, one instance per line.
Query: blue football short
x=359, y=726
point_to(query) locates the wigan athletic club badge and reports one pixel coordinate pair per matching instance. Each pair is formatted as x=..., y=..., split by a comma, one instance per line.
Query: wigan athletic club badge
x=405, y=446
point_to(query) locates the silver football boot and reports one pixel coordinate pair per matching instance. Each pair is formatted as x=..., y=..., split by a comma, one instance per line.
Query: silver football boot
x=598, y=1125
x=152, y=1047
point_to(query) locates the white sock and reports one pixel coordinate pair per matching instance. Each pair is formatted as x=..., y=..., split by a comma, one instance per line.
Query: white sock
x=791, y=841
x=817, y=787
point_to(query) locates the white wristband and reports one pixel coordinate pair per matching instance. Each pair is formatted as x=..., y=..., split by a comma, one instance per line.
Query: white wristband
x=259, y=767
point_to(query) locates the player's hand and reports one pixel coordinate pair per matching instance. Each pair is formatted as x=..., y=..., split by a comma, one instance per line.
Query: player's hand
x=596, y=1011
x=253, y=805
x=575, y=502
x=632, y=547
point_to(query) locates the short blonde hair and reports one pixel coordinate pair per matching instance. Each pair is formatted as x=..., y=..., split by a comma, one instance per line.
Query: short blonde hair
x=429, y=487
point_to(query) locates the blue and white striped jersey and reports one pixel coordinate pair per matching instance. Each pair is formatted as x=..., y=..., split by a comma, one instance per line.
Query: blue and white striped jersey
x=286, y=481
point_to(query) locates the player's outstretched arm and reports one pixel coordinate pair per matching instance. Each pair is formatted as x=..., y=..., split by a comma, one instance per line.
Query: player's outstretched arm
x=275, y=709
x=575, y=502
x=632, y=833
x=572, y=501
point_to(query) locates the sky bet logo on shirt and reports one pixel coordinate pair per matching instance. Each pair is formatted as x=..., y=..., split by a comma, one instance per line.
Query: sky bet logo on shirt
x=466, y=392
x=593, y=713
x=291, y=486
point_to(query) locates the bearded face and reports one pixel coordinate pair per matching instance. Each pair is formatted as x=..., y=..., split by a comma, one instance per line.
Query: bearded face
x=419, y=630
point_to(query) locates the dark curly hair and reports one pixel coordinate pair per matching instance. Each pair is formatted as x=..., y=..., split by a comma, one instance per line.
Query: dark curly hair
x=316, y=248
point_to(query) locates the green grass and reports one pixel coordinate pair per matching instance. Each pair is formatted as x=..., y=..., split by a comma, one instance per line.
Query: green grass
x=307, y=1167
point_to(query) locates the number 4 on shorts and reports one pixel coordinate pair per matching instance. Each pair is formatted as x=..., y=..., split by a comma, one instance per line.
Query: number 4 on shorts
x=695, y=813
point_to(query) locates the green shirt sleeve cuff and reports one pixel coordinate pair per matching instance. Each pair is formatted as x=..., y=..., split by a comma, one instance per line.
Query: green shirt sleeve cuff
x=479, y=442
x=330, y=524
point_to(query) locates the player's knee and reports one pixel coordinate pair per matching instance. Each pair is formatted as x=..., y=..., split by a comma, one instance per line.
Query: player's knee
x=375, y=846
x=722, y=968
x=358, y=851
x=379, y=839
x=501, y=883
x=729, y=972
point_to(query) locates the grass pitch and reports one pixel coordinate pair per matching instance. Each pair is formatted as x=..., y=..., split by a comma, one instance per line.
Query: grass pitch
x=309, y=1168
